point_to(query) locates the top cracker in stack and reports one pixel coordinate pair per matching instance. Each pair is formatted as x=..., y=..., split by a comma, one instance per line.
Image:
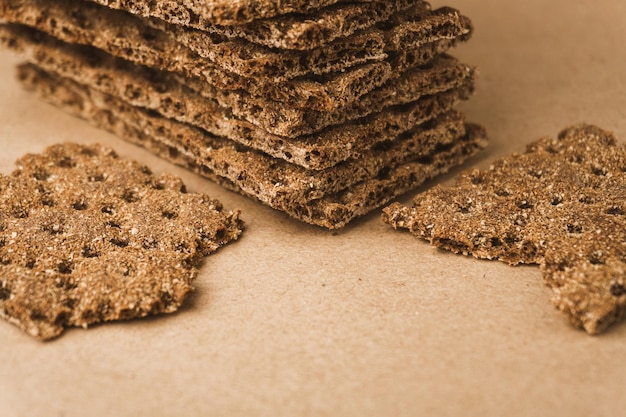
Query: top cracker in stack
x=324, y=110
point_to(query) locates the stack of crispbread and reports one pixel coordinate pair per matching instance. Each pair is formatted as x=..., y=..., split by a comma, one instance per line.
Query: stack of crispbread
x=324, y=110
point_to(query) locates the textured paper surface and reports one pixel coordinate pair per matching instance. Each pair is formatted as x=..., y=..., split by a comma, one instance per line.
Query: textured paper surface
x=366, y=321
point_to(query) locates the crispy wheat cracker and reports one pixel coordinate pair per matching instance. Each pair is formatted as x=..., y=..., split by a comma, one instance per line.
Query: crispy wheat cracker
x=403, y=33
x=298, y=31
x=416, y=43
x=313, y=30
x=561, y=204
x=87, y=237
x=224, y=12
x=274, y=181
x=329, y=198
x=424, y=94
x=80, y=20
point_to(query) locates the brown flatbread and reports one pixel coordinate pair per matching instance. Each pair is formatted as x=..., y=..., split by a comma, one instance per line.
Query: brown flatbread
x=222, y=12
x=236, y=55
x=86, y=237
x=316, y=197
x=313, y=30
x=130, y=38
x=402, y=33
x=561, y=205
x=424, y=94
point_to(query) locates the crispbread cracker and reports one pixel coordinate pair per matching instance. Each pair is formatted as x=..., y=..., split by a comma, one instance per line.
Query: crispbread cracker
x=223, y=12
x=129, y=38
x=232, y=55
x=315, y=197
x=561, y=205
x=424, y=93
x=306, y=32
x=87, y=237
x=276, y=182
x=402, y=34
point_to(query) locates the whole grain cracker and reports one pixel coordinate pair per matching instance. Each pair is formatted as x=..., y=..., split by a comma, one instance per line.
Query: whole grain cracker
x=392, y=40
x=234, y=55
x=314, y=197
x=224, y=12
x=275, y=181
x=560, y=204
x=130, y=38
x=86, y=237
x=306, y=32
x=424, y=94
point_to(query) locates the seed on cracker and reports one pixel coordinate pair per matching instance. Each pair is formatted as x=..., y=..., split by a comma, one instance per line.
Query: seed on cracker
x=87, y=237
x=561, y=204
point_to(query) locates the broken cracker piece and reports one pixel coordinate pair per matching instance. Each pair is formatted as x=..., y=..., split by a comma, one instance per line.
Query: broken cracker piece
x=87, y=237
x=561, y=204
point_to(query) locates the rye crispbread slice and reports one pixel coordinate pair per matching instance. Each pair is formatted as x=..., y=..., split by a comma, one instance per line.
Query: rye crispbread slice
x=329, y=198
x=274, y=180
x=424, y=94
x=392, y=41
x=299, y=31
x=238, y=56
x=86, y=237
x=561, y=204
x=313, y=30
x=128, y=37
x=222, y=12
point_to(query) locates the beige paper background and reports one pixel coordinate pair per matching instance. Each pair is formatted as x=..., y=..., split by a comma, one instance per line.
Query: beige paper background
x=293, y=320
